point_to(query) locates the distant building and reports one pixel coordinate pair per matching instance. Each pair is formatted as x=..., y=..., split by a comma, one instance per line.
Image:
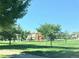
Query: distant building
x=75, y=35
x=35, y=36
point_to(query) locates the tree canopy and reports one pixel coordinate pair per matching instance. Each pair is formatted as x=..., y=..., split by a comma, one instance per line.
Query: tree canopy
x=49, y=30
x=11, y=10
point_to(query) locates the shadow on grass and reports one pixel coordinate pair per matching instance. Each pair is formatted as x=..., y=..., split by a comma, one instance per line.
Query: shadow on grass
x=47, y=54
x=25, y=46
x=54, y=54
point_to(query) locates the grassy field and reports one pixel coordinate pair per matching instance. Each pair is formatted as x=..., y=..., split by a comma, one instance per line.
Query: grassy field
x=60, y=48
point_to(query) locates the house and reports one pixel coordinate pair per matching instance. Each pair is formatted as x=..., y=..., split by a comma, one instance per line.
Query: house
x=75, y=35
x=37, y=36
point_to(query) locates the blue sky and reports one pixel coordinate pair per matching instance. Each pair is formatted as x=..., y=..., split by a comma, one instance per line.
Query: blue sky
x=63, y=12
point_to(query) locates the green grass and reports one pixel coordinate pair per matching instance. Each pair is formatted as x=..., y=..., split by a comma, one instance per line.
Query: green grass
x=60, y=48
x=3, y=56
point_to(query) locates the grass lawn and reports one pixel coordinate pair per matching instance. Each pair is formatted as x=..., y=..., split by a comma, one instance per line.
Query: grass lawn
x=3, y=56
x=60, y=48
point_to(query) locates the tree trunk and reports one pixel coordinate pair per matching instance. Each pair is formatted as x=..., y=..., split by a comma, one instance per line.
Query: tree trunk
x=9, y=41
x=51, y=43
x=14, y=40
x=65, y=41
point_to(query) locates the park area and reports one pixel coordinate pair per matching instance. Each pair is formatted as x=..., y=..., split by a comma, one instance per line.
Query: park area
x=59, y=49
x=39, y=29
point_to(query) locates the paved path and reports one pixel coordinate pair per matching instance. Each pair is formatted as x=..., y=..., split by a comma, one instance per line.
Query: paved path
x=16, y=54
x=9, y=52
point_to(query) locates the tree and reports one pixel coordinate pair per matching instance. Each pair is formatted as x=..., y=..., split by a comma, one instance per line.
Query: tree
x=11, y=10
x=49, y=31
x=65, y=36
x=12, y=34
x=24, y=34
x=17, y=30
x=7, y=35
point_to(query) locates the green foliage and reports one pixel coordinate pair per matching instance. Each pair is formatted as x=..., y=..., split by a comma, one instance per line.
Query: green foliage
x=7, y=35
x=12, y=33
x=49, y=30
x=64, y=35
x=11, y=10
x=18, y=30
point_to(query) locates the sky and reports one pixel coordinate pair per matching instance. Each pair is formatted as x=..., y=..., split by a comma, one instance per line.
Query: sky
x=62, y=12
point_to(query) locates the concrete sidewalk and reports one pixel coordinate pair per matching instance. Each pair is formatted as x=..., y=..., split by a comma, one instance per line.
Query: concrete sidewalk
x=17, y=54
